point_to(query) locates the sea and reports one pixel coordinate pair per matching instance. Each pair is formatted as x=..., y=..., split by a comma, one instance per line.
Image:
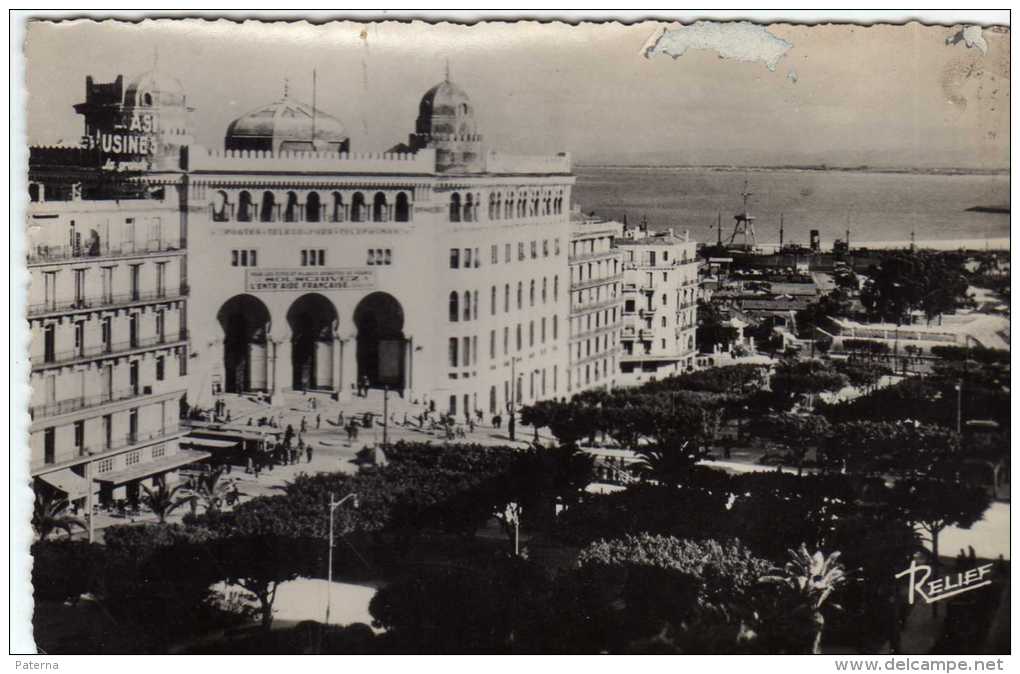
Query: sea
x=941, y=210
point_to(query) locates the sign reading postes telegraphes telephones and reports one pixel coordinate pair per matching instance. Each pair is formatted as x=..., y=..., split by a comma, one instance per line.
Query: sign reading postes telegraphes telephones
x=277, y=280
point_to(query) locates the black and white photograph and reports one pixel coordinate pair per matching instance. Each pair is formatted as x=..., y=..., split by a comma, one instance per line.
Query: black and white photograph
x=402, y=335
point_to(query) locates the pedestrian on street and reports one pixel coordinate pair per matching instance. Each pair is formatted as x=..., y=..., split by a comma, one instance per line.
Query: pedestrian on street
x=318, y=421
x=309, y=451
x=304, y=425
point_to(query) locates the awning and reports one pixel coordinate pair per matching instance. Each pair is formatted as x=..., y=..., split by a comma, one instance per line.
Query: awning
x=237, y=436
x=182, y=458
x=209, y=443
x=67, y=481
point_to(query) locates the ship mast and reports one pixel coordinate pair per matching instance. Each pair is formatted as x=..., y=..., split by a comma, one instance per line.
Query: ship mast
x=744, y=225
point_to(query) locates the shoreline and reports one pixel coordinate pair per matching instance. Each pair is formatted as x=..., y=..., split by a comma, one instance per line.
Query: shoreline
x=994, y=243
x=935, y=171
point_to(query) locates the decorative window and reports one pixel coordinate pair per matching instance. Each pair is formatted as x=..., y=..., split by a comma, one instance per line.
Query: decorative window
x=454, y=307
x=453, y=351
x=379, y=257
x=455, y=258
x=158, y=451
x=132, y=458
x=104, y=465
x=313, y=257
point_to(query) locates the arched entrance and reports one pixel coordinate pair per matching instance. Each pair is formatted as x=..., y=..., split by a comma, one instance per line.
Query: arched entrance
x=379, y=319
x=245, y=323
x=312, y=319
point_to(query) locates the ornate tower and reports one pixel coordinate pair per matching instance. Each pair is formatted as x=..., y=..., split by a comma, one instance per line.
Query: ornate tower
x=446, y=123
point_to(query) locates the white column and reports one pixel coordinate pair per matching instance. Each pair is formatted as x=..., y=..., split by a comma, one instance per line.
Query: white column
x=348, y=365
x=336, y=351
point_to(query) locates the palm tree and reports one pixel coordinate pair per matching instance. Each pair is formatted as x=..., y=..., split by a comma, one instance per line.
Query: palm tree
x=49, y=514
x=668, y=463
x=212, y=491
x=812, y=578
x=163, y=500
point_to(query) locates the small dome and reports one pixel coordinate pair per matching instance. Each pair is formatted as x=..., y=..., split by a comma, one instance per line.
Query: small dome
x=446, y=123
x=446, y=98
x=286, y=126
x=154, y=88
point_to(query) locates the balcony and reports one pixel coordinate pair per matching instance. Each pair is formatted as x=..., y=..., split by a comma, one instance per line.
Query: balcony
x=111, y=301
x=85, y=402
x=50, y=254
x=585, y=307
x=597, y=255
x=646, y=313
x=115, y=446
x=592, y=282
x=646, y=335
x=123, y=347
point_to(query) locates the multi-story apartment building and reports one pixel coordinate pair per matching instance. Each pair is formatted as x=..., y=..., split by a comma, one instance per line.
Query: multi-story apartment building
x=109, y=349
x=660, y=288
x=596, y=303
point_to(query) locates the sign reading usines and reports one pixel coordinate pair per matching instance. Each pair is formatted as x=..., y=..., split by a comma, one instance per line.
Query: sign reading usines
x=268, y=280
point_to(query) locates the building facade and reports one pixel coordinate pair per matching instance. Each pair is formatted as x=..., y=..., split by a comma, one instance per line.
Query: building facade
x=441, y=269
x=107, y=311
x=596, y=303
x=660, y=290
x=436, y=270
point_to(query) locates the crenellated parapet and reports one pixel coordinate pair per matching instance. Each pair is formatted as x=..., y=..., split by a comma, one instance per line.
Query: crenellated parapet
x=423, y=161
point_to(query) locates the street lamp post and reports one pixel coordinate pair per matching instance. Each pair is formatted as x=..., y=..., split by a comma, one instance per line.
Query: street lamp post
x=511, y=425
x=959, y=406
x=333, y=505
x=386, y=415
x=512, y=513
x=88, y=501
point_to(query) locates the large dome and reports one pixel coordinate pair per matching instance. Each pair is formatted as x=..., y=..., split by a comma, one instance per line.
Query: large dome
x=287, y=126
x=154, y=88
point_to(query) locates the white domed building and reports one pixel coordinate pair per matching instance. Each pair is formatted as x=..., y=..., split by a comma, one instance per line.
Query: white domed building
x=428, y=268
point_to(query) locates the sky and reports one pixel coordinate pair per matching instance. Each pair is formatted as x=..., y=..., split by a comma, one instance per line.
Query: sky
x=843, y=95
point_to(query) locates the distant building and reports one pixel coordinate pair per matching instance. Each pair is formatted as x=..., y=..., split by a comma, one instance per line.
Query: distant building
x=660, y=291
x=596, y=303
x=951, y=330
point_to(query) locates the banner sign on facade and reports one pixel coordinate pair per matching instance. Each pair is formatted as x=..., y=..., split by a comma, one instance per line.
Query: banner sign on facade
x=268, y=280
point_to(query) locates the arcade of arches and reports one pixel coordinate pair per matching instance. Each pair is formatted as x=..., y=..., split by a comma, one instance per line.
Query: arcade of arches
x=309, y=354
